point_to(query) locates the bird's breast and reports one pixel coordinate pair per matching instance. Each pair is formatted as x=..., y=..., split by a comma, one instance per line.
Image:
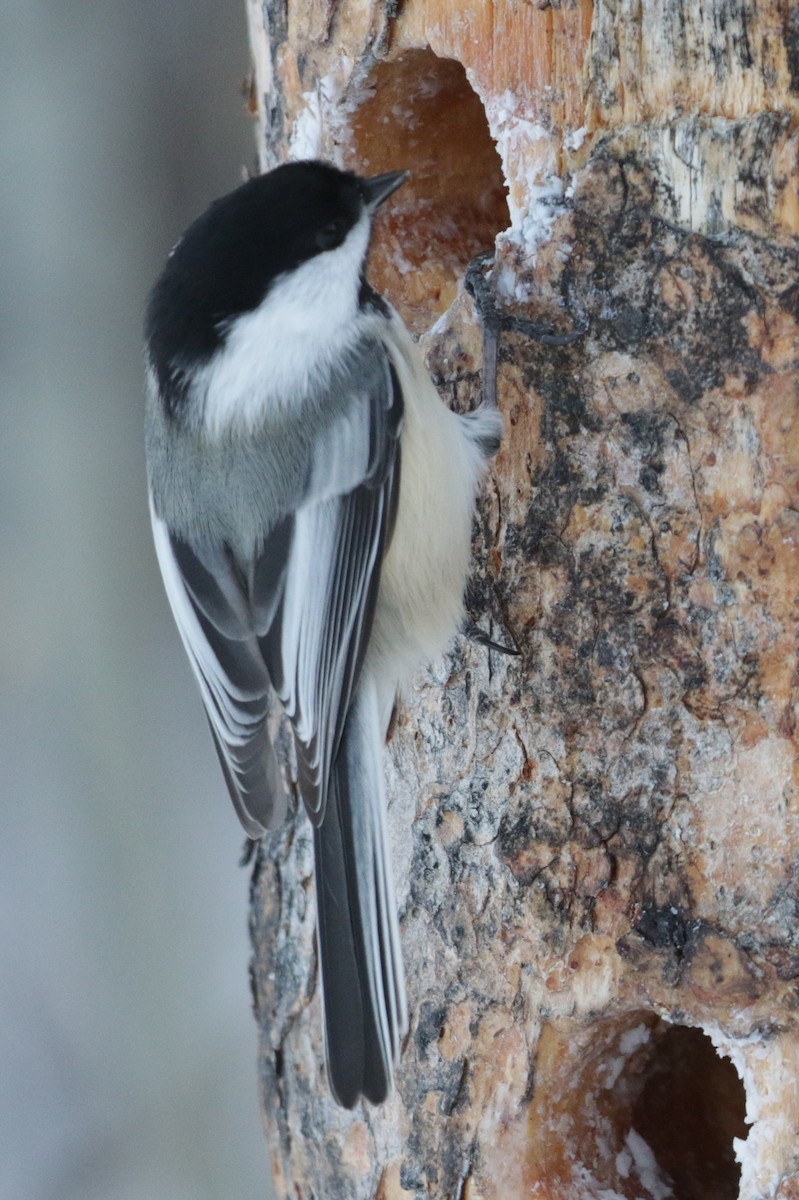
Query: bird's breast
x=420, y=602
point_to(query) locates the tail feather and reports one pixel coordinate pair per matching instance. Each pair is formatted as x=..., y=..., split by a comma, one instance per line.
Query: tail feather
x=361, y=965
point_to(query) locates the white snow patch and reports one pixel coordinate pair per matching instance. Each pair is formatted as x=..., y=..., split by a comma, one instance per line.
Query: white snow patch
x=575, y=139
x=306, y=136
x=613, y=1069
x=586, y=1187
x=752, y=1152
x=527, y=151
x=324, y=110
x=646, y=1166
x=624, y=1160
x=629, y=1041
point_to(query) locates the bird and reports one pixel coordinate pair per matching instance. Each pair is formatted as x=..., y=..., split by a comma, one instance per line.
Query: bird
x=311, y=498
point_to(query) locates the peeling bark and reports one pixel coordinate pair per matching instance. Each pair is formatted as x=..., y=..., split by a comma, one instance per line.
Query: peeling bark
x=596, y=843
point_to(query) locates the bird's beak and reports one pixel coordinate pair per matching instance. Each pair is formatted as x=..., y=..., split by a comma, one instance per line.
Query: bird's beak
x=380, y=187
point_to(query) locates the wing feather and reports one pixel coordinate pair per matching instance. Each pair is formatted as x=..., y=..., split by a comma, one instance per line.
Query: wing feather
x=224, y=655
x=296, y=615
x=315, y=647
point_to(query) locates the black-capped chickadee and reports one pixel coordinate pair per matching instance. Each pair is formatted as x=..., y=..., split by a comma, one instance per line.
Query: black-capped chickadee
x=312, y=503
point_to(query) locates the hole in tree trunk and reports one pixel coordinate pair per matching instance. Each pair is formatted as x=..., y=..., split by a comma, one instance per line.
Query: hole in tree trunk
x=420, y=113
x=635, y=1109
x=690, y=1107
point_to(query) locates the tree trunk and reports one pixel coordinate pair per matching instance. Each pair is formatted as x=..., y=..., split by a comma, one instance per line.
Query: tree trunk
x=596, y=842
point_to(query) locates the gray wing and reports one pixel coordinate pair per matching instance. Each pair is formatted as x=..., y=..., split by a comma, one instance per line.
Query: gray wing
x=214, y=621
x=298, y=614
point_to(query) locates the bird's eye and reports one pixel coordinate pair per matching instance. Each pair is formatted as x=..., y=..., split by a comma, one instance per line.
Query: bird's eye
x=331, y=235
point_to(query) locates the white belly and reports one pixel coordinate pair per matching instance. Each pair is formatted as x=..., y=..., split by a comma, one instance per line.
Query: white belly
x=420, y=603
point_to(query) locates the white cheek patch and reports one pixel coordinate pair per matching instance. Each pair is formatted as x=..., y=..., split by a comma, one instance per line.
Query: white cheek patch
x=276, y=355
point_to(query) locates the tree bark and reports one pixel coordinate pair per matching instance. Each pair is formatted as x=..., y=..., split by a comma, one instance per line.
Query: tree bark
x=597, y=841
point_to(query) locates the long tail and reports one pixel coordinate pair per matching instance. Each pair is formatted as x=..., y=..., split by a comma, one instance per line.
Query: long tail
x=363, y=984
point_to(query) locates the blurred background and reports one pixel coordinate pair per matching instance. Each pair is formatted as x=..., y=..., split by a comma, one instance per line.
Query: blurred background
x=127, y=1048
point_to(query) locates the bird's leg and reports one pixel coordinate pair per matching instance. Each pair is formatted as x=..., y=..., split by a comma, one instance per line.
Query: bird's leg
x=496, y=320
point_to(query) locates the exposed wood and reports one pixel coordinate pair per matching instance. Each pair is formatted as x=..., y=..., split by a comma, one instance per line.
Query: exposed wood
x=597, y=842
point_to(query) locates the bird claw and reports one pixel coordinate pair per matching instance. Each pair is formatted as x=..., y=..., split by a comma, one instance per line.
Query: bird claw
x=474, y=634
